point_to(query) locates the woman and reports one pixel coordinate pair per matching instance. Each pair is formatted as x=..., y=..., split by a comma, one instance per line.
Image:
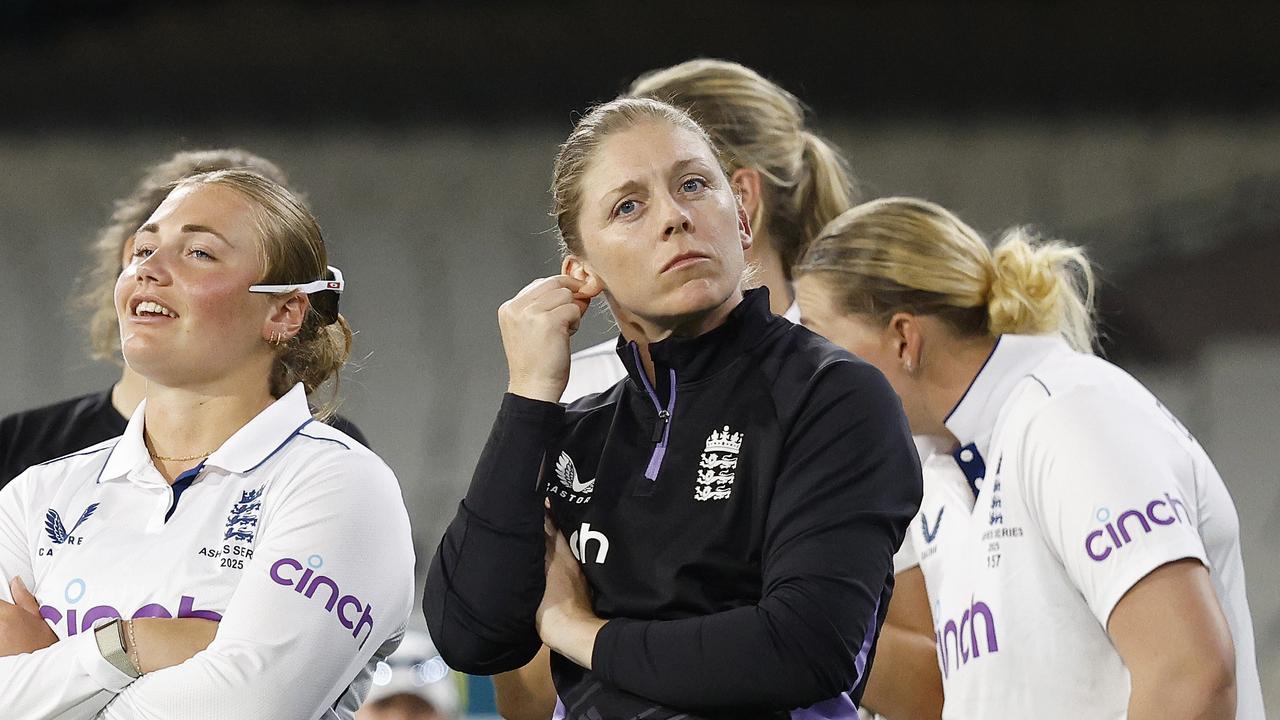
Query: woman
x=223, y=501
x=1081, y=552
x=710, y=497
x=790, y=181
x=44, y=433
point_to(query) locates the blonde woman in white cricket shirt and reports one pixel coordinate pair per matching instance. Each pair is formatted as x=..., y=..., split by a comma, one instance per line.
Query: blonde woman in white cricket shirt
x=227, y=556
x=1081, y=552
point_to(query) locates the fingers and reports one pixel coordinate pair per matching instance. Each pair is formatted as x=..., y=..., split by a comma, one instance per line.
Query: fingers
x=22, y=597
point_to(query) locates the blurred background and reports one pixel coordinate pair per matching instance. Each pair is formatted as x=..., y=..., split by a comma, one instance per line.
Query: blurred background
x=423, y=134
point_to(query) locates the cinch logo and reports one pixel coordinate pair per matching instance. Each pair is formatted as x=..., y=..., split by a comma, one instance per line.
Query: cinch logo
x=952, y=638
x=58, y=533
x=77, y=622
x=308, y=583
x=579, y=542
x=1168, y=511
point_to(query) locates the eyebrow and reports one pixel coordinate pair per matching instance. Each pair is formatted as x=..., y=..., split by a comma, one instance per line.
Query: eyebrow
x=632, y=185
x=188, y=228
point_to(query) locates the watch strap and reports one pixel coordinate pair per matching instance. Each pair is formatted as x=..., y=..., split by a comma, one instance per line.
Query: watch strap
x=110, y=639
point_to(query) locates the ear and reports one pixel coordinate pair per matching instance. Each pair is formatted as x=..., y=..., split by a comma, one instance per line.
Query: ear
x=744, y=227
x=903, y=334
x=746, y=185
x=286, y=315
x=577, y=267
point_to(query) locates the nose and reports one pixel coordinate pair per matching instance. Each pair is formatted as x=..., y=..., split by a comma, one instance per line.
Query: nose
x=677, y=219
x=153, y=268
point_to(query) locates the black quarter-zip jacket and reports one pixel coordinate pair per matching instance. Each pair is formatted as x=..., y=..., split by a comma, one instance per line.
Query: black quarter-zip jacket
x=736, y=520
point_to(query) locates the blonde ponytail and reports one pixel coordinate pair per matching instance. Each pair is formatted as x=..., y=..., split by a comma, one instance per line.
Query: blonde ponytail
x=826, y=188
x=910, y=255
x=756, y=124
x=1041, y=287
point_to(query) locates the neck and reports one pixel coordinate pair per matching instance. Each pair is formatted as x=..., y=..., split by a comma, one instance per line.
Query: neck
x=196, y=420
x=946, y=376
x=771, y=275
x=128, y=392
x=643, y=331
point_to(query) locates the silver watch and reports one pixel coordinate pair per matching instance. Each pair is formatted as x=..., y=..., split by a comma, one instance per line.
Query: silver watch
x=110, y=637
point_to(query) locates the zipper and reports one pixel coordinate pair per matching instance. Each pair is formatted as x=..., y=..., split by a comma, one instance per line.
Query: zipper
x=661, y=428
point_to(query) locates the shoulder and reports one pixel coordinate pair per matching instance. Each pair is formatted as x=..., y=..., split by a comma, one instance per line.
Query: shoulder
x=319, y=456
x=40, y=424
x=802, y=367
x=77, y=468
x=347, y=426
x=1083, y=395
x=61, y=409
x=56, y=430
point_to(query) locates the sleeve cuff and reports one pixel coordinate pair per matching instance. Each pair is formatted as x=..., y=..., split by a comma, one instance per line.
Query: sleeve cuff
x=504, y=491
x=106, y=675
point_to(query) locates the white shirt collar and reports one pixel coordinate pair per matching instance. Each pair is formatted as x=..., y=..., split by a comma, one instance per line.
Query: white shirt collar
x=244, y=451
x=1012, y=359
x=793, y=312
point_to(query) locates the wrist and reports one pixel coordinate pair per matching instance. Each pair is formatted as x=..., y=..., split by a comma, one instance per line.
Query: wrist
x=115, y=644
x=573, y=635
x=535, y=390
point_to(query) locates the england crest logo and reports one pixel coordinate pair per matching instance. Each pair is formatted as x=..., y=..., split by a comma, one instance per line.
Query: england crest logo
x=718, y=466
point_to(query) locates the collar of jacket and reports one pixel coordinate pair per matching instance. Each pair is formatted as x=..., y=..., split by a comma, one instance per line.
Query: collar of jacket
x=696, y=358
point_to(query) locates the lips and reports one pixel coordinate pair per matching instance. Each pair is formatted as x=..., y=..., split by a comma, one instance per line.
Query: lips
x=684, y=260
x=142, y=306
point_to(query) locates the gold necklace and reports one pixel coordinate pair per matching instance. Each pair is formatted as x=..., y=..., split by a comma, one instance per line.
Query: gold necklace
x=165, y=458
x=182, y=459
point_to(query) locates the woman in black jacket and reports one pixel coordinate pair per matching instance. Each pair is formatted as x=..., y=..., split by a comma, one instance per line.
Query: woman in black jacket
x=728, y=512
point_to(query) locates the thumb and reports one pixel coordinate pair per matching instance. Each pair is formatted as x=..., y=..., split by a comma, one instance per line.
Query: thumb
x=22, y=597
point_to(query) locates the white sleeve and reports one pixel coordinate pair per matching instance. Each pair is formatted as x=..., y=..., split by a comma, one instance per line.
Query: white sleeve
x=70, y=679
x=906, y=557
x=1113, y=492
x=330, y=580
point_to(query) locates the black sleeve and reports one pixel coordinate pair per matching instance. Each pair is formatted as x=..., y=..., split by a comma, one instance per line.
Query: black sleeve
x=486, y=578
x=848, y=485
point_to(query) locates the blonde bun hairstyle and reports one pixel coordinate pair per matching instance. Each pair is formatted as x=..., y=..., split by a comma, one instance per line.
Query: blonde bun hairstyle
x=909, y=255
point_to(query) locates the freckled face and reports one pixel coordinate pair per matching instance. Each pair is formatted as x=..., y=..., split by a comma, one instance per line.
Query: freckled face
x=185, y=312
x=660, y=225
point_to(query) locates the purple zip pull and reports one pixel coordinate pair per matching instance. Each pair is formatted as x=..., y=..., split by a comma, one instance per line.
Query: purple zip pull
x=661, y=430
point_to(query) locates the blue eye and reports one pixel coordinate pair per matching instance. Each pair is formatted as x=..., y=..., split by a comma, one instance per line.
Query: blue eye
x=693, y=185
x=199, y=254
x=142, y=252
x=626, y=207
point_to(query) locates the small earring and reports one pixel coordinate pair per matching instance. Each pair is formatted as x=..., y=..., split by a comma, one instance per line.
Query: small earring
x=908, y=366
x=275, y=337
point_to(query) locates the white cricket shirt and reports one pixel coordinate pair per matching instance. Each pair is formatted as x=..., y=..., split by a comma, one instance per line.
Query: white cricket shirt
x=1082, y=483
x=291, y=534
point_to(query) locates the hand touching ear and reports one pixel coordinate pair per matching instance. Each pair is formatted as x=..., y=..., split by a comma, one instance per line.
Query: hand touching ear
x=536, y=326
